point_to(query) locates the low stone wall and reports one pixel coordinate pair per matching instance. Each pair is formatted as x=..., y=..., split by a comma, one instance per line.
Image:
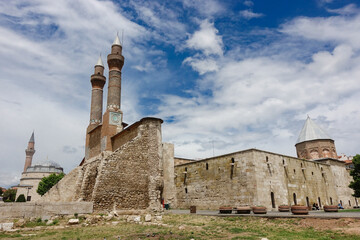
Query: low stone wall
x=28, y=209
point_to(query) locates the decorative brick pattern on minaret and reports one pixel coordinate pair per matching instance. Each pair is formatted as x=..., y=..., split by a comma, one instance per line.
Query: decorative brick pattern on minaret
x=29, y=152
x=115, y=61
x=97, y=82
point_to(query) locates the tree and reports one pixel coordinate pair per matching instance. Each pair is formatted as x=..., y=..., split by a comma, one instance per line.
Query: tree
x=1, y=191
x=355, y=173
x=21, y=198
x=48, y=182
x=9, y=195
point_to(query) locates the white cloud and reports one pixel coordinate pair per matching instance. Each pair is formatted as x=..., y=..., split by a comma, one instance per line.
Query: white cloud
x=337, y=29
x=205, y=7
x=347, y=10
x=206, y=39
x=202, y=65
x=249, y=14
x=248, y=3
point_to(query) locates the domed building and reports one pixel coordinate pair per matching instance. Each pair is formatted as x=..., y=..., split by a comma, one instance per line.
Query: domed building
x=33, y=174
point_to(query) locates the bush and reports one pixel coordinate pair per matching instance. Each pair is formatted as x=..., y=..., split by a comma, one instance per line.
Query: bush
x=9, y=195
x=21, y=198
x=48, y=182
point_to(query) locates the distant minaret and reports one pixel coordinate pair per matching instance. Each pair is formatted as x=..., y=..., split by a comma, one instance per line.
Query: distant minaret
x=29, y=152
x=97, y=82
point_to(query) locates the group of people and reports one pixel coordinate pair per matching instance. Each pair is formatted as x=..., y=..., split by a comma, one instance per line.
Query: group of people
x=315, y=206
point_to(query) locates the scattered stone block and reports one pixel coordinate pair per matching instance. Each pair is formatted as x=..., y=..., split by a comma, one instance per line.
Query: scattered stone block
x=147, y=218
x=7, y=226
x=73, y=221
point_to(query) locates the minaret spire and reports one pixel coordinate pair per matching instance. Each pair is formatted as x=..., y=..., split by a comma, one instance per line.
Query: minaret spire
x=29, y=152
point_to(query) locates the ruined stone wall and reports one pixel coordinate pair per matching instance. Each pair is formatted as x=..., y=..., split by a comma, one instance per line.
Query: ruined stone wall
x=67, y=189
x=256, y=177
x=169, y=193
x=210, y=183
x=44, y=210
x=128, y=179
x=93, y=141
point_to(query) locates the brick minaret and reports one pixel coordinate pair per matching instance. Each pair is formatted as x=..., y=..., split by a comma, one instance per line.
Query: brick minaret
x=97, y=82
x=112, y=119
x=29, y=152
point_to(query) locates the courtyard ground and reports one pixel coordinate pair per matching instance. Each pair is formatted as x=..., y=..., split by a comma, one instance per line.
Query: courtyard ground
x=189, y=226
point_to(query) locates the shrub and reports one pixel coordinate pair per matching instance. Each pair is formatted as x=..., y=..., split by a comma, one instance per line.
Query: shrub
x=21, y=198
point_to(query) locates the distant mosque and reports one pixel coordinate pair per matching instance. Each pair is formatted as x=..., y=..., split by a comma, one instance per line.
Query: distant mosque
x=33, y=174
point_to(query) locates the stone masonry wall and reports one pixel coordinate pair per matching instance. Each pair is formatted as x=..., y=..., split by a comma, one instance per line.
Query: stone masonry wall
x=215, y=182
x=169, y=193
x=342, y=180
x=255, y=177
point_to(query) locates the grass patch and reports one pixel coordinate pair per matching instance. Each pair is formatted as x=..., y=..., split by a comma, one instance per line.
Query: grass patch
x=350, y=210
x=187, y=227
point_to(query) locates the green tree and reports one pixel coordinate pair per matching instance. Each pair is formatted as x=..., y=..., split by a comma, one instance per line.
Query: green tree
x=48, y=182
x=21, y=198
x=355, y=173
x=1, y=191
x=9, y=195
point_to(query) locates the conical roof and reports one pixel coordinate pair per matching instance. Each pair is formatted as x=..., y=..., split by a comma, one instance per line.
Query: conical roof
x=311, y=131
x=99, y=62
x=32, y=138
x=117, y=40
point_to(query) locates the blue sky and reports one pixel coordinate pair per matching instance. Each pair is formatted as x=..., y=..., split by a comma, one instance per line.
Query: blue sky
x=224, y=75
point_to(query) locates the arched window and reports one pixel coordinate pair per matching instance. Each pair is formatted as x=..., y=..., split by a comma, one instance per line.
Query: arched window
x=273, y=200
x=294, y=196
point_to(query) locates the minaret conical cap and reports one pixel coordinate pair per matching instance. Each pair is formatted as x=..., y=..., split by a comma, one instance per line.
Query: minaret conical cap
x=311, y=131
x=32, y=138
x=99, y=62
x=117, y=40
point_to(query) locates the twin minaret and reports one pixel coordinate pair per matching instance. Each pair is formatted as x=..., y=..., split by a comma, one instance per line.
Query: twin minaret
x=105, y=126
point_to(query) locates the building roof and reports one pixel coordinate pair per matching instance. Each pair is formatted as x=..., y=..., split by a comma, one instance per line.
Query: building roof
x=311, y=131
x=99, y=62
x=32, y=138
x=117, y=40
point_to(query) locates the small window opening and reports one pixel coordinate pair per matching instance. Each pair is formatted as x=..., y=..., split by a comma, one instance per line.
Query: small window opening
x=207, y=166
x=349, y=203
x=294, y=171
x=341, y=202
x=331, y=202
x=28, y=198
x=98, y=73
x=185, y=175
x=301, y=165
x=283, y=162
x=273, y=200
x=294, y=196
x=232, y=168
x=267, y=158
x=307, y=202
x=319, y=201
x=185, y=190
x=312, y=173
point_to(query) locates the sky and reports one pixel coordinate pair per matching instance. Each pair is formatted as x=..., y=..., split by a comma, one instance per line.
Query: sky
x=224, y=76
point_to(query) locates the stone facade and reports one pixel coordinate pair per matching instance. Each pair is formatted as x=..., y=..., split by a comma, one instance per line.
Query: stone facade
x=255, y=177
x=127, y=180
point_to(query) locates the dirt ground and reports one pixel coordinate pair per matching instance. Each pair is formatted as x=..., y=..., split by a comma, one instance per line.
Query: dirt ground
x=346, y=225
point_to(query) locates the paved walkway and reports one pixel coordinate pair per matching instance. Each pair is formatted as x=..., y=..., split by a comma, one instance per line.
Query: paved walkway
x=274, y=214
